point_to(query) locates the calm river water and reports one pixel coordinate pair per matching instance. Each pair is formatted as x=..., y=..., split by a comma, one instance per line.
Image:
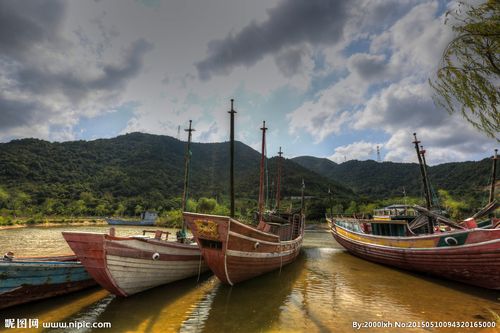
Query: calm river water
x=325, y=290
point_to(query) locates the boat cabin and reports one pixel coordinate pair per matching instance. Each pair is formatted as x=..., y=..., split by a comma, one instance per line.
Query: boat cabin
x=149, y=216
x=395, y=212
x=389, y=228
x=376, y=227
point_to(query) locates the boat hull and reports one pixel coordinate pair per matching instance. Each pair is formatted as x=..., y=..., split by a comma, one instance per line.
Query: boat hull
x=125, y=222
x=29, y=279
x=469, y=256
x=128, y=265
x=236, y=252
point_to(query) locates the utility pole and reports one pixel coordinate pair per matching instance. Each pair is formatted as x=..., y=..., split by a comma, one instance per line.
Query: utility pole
x=378, y=154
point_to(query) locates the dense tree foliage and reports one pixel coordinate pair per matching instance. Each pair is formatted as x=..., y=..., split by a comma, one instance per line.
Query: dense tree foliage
x=134, y=172
x=469, y=74
x=126, y=175
x=467, y=182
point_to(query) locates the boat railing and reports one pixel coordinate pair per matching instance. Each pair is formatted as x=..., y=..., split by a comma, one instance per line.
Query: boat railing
x=158, y=233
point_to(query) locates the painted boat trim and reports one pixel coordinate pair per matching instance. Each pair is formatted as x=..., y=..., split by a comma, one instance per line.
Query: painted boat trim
x=235, y=253
x=400, y=248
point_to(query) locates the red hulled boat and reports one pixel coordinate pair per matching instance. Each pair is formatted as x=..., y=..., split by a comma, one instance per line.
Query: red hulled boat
x=470, y=256
x=128, y=265
x=235, y=251
x=429, y=242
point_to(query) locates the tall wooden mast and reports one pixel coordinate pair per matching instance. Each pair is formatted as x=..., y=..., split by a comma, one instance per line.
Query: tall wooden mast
x=187, y=159
x=426, y=171
x=493, y=177
x=278, y=186
x=262, y=159
x=331, y=202
x=303, y=201
x=424, y=181
x=231, y=168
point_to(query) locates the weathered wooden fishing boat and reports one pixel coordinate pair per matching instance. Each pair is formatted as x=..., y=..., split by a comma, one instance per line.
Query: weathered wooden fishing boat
x=128, y=265
x=147, y=219
x=235, y=251
x=457, y=251
x=27, y=279
x=469, y=255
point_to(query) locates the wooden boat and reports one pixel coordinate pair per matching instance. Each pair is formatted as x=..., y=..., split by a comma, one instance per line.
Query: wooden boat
x=128, y=265
x=469, y=255
x=429, y=243
x=235, y=251
x=147, y=219
x=27, y=279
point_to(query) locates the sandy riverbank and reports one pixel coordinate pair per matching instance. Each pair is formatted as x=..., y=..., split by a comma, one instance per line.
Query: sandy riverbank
x=78, y=222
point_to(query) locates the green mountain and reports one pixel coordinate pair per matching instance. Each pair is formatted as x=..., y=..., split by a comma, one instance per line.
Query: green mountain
x=135, y=169
x=387, y=179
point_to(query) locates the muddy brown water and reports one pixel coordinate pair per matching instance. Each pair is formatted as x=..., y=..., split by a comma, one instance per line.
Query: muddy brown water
x=325, y=290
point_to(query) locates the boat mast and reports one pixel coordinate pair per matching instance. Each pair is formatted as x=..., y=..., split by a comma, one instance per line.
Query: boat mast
x=493, y=177
x=231, y=168
x=331, y=202
x=303, y=202
x=278, y=189
x=424, y=181
x=261, y=185
x=186, y=171
x=422, y=152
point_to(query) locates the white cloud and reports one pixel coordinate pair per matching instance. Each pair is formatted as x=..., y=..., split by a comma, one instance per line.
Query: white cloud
x=386, y=90
x=360, y=150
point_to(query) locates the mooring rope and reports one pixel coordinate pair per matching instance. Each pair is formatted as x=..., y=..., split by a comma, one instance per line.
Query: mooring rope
x=199, y=268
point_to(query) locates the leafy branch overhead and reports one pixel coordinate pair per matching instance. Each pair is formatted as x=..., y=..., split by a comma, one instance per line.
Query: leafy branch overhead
x=468, y=80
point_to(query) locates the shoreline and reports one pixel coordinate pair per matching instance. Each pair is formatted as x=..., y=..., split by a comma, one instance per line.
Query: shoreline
x=98, y=221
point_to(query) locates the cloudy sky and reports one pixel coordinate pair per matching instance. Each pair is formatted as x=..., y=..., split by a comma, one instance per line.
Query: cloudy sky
x=331, y=78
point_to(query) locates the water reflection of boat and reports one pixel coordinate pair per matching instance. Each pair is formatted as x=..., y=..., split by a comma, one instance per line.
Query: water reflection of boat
x=162, y=309
x=341, y=288
x=128, y=265
x=28, y=279
x=252, y=306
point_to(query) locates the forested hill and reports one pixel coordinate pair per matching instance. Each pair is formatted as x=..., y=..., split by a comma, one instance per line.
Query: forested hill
x=387, y=179
x=137, y=169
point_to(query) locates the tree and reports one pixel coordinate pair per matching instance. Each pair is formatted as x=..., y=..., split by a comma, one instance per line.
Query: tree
x=353, y=208
x=120, y=209
x=77, y=208
x=101, y=209
x=138, y=209
x=206, y=205
x=4, y=198
x=469, y=74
